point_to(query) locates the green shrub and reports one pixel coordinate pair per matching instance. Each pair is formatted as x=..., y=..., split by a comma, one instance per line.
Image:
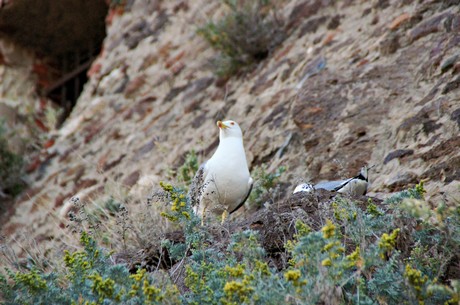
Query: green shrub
x=186, y=171
x=184, y=174
x=89, y=278
x=245, y=35
x=379, y=254
x=265, y=185
x=353, y=259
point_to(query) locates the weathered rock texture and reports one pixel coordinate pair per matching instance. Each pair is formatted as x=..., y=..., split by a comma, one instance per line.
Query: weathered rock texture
x=355, y=82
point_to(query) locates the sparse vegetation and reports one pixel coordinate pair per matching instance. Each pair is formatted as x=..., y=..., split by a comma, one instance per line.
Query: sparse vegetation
x=89, y=278
x=186, y=171
x=184, y=174
x=265, y=186
x=246, y=34
x=380, y=253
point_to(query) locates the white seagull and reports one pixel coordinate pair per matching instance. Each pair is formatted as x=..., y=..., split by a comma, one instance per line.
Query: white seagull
x=223, y=183
x=356, y=186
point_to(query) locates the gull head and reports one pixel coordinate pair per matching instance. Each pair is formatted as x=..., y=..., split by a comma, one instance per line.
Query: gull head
x=364, y=173
x=229, y=129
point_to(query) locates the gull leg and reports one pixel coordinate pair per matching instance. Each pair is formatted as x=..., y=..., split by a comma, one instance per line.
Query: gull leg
x=203, y=216
x=224, y=216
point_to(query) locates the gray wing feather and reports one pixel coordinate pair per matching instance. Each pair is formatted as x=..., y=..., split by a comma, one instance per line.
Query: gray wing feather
x=244, y=200
x=196, y=187
x=332, y=185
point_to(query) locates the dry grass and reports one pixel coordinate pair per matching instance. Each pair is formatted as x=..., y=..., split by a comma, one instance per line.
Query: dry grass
x=246, y=34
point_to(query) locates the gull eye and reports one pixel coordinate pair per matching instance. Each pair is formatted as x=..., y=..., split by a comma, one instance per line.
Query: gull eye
x=232, y=123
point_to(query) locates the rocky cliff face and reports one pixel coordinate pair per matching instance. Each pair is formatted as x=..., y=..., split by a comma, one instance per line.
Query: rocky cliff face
x=354, y=83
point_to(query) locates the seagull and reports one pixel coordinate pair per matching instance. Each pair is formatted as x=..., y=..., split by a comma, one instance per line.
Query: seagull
x=356, y=186
x=223, y=183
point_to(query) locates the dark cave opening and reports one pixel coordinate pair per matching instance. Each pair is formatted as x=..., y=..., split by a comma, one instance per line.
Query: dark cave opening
x=66, y=35
x=65, y=90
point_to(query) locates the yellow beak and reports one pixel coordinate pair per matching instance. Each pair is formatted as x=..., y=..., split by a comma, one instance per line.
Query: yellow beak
x=221, y=125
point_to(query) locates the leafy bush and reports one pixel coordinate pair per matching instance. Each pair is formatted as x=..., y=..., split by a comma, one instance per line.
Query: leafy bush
x=89, y=278
x=11, y=168
x=245, y=35
x=186, y=171
x=184, y=174
x=382, y=253
x=265, y=185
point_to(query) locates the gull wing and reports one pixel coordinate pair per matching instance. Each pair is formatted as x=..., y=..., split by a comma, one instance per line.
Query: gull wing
x=196, y=187
x=332, y=185
x=251, y=182
x=339, y=184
